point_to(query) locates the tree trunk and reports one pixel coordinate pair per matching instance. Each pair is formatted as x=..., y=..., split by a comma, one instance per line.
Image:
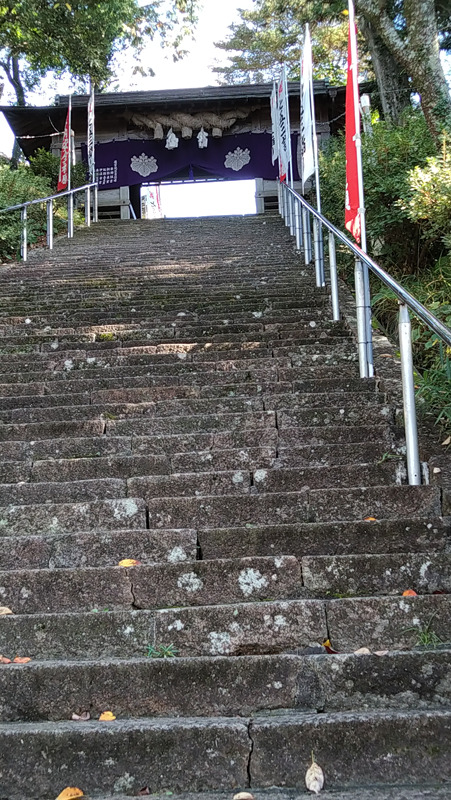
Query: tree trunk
x=426, y=67
x=392, y=81
x=418, y=53
x=12, y=71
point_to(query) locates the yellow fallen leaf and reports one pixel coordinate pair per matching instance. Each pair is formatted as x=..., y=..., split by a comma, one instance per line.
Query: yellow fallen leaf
x=129, y=562
x=409, y=593
x=70, y=793
x=5, y=610
x=19, y=660
x=370, y=519
x=107, y=716
x=314, y=777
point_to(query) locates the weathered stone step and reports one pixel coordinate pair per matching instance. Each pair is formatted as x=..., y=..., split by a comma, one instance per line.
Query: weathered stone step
x=198, y=423
x=250, y=628
x=56, y=491
x=314, y=505
x=370, y=574
x=332, y=454
x=261, y=480
x=221, y=686
x=326, y=538
x=99, y=547
x=418, y=792
x=157, y=409
x=146, y=587
x=94, y=467
x=335, y=434
x=61, y=518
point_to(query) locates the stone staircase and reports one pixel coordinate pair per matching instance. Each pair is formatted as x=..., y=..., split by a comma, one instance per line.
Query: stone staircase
x=173, y=392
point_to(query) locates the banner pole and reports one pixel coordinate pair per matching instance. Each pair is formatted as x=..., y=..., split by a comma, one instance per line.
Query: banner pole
x=69, y=160
x=362, y=215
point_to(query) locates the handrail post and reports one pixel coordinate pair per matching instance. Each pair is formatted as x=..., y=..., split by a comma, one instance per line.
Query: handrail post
x=333, y=278
x=408, y=389
x=298, y=223
x=50, y=224
x=319, y=255
x=70, y=215
x=95, y=204
x=361, y=318
x=280, y=197
x=88, y=206
x=307, y=236
x=24, y=234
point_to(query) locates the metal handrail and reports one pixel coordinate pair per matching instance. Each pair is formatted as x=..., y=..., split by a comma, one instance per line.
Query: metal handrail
x=69, y=193
x=418, y=308
x=297, y=212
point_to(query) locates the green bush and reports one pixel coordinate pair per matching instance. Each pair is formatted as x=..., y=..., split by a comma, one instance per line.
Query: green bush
x=408, y=215
x=30, y=183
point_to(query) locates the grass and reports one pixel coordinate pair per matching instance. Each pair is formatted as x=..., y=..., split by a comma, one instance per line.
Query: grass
x=426, y=637
x=161, y=651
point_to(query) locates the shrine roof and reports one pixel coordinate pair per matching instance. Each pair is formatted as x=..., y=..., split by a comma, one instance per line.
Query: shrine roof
x=34, y=125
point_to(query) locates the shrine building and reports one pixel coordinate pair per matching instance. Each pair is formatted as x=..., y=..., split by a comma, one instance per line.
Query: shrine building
x=211, y=133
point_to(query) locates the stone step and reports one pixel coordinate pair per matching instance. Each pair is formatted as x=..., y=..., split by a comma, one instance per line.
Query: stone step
x=326, y=538
x=221, y=686
x=158, y=409
x=98, y=547
x=261, y=481
x=204, y=583
x=56, y=491
x=146, y=587
x=62, y=518
x=314, y=505
x=246, y=628
x=418, y=792
x=199, y=423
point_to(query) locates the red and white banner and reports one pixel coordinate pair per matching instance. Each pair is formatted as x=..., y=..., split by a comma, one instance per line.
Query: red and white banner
x=354, y=200
x=63, y=177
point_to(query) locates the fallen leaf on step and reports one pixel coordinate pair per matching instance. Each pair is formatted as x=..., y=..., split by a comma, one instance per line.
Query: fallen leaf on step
x=436, y=470
x=107, y=716
x=243, y=796
x=83, y=717
x=143, y=791
x=447, y=441
x=362, y=651
x=19, y=660
x=70, y=793
x=129, y=562
x=381, y=652
x=5, y=610
x=329, y=647
x=409, y=593
x=385, y=355
x=314, y=777
x=4, y=660
x=370, y=519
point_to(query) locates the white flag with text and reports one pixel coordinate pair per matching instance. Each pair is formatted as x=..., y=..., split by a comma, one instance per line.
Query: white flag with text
x=307, y=119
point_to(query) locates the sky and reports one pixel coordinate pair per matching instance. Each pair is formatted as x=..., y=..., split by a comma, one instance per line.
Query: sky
x=193, y=71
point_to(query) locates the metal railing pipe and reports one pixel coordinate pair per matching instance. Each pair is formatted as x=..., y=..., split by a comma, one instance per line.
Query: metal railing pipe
x=361, y=317
x=70, y=216
x=88, y=206
x=49, y=205
x=333, y=279
x=24, y=234
x=408, y=393
x=401, y=293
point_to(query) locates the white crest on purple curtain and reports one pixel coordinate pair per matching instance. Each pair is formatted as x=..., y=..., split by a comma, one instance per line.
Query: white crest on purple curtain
x=171, y=140
x=202, y=138
x=237, y=159
x=144, y=165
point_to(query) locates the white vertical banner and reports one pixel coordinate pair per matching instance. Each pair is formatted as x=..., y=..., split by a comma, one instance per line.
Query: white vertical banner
x=284, y=128
x=91, y=137
x=307, y=111
x=274, y=121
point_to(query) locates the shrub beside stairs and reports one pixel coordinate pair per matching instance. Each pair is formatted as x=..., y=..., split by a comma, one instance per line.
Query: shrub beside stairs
x=173, y=392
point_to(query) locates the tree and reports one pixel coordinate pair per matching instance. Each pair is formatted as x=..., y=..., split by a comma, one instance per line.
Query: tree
x=402, y=38
x=82, y=36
